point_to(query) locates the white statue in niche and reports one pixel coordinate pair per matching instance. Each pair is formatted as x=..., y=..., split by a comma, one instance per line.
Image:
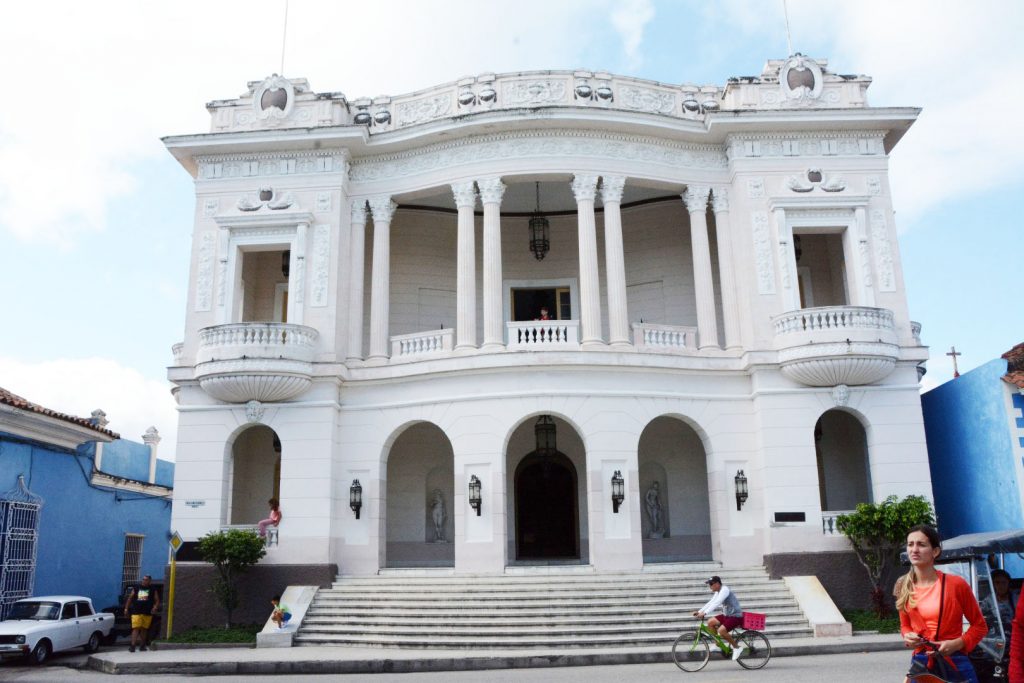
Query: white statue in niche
x=438, y=514
x=652, y=501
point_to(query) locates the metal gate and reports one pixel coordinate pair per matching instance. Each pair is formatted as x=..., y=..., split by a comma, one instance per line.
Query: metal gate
x=19, y=533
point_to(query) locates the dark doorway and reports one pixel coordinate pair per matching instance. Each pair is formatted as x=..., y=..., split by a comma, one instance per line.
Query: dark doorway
x=547, y=523
x=526, y=303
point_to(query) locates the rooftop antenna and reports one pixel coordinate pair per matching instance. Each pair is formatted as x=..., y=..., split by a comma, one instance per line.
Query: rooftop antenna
x=789, y=39
x=284, y=35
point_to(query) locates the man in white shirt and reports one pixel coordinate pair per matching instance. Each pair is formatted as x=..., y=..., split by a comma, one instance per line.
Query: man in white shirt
x=729, y=618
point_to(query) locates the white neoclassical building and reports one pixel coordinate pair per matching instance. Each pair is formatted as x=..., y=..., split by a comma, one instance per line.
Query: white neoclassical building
x=727, y=360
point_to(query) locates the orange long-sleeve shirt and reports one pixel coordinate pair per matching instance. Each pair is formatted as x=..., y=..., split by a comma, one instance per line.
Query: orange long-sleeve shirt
x=1017, y=646
x=958, y=603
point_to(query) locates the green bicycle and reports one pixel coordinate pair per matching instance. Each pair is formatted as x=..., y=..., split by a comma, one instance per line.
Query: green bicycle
x=692, y=649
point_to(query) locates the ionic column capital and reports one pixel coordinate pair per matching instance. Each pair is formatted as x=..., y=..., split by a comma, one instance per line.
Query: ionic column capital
x=465, y=194
x=359, y=210
x=491, y=190
x=382, y=208
x=612, y=187
x=720, y=199
x=696, y=198
x=584, y=187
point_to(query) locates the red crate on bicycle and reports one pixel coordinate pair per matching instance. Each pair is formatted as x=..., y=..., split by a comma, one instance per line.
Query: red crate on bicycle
x=753, y=621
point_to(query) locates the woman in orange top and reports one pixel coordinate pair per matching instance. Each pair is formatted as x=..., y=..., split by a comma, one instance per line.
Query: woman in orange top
x=1017, y=647
x=933, y=606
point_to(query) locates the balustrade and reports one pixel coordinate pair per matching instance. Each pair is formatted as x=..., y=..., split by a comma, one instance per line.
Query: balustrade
x=829, y=519
x=534, y=333
x=833, y=318
x=420, y=343
x=671, y=338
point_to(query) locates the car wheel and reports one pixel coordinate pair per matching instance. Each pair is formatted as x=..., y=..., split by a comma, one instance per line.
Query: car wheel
x=94, y=642
x=41, y=653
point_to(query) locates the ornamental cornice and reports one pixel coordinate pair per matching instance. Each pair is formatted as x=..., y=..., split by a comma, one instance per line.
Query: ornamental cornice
x=263, y=164
x=536, y=144
x=816, y=144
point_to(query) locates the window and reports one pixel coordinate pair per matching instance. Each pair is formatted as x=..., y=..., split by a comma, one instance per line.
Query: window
x=527, y=303
x=132, y=563
x=68, y=612
x=83, y=609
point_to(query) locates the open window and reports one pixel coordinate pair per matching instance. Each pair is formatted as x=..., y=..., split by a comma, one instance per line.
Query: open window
x=529, y=302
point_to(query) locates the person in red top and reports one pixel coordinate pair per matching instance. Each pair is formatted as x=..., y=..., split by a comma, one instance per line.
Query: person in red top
x=1017, y=648
x=933, y=606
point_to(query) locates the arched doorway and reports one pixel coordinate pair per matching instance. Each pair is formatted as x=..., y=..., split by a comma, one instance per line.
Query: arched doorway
x=546, y=493
x=420, y=491
x=841, y=448
x=547, y=521
x=675, y=513
x=255, y=474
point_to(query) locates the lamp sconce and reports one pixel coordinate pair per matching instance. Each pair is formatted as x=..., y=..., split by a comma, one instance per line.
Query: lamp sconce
x=618, y=491
x=741, y=489
x=355, y=497
x=474, y=493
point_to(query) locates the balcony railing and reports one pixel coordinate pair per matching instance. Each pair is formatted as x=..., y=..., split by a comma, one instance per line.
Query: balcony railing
x=828, y=521
x=421, y=343
x=543, y=334
x=294, y=338
x=833, y=318
x=664, y=338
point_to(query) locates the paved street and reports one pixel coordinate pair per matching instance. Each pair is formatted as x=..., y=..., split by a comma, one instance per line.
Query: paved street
x=846, y=668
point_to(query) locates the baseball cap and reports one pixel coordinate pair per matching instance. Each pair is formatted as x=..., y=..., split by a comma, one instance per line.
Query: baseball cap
x=714, y=579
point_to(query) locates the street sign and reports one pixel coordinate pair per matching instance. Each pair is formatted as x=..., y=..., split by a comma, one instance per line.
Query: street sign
x=176, y=542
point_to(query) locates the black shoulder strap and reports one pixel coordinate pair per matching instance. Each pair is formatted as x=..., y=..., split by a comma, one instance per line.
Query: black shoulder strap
x=942, y=603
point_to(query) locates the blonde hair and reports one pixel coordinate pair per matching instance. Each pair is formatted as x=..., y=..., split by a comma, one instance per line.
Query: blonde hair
x=904, y=590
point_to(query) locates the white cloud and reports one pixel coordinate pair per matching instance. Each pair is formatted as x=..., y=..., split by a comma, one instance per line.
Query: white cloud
x=77, y=386
x=629, y=19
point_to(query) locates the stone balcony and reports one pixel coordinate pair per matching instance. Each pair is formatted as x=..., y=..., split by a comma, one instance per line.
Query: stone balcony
x=831, y=345
x=255, y=361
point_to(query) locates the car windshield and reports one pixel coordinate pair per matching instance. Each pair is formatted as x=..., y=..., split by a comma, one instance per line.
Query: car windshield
x=34, y=609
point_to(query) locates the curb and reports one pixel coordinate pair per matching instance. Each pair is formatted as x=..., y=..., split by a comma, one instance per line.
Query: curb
x=159, y=645
x=384, y=664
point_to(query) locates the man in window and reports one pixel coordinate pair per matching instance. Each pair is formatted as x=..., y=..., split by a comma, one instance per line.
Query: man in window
x=143, y=600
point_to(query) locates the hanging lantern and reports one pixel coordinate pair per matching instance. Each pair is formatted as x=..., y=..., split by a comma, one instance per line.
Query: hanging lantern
x=544, y=430
x=539, y=225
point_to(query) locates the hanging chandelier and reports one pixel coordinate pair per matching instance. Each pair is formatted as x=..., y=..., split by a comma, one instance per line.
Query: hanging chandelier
x=539, y=225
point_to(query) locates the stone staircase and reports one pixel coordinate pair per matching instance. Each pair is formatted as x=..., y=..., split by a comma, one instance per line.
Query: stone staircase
x=535, y=607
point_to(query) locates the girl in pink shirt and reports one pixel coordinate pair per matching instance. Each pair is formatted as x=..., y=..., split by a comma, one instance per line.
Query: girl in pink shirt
x=273, y=520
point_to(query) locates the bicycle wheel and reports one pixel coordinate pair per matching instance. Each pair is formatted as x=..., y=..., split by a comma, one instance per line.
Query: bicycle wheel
x=756, y=649
x=691, y=653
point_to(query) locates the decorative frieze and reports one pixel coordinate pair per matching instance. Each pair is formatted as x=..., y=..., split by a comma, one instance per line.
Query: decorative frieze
x=830, y=143
x=204, y=271
x=533, y=92
x=647, y=99
x=539, y=146
x=423, y=109
x=883, y=252
x=278, y=164
x=763, y=252
x=321, y=265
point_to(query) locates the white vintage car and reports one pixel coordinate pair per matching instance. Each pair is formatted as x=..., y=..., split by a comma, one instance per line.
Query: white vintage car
x=37, y=627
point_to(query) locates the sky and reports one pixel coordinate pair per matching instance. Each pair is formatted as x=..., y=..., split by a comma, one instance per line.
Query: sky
x=96, y=217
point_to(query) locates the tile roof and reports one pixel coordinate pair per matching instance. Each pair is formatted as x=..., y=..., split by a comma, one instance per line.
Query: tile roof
x=1015, y=366
x=16, y=401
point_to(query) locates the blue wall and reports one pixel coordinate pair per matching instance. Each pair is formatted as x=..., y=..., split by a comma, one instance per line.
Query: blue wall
x=82, y=528
x=124, y=459
x=970, y=454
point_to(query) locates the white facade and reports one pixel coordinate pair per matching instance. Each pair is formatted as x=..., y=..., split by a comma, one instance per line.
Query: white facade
x=723, y=261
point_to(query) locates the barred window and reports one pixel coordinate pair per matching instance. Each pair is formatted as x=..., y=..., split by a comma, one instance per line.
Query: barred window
x=132, y=563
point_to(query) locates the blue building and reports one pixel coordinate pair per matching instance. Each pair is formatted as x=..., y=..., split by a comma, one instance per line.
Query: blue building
x=975, y=430
x=81, y=511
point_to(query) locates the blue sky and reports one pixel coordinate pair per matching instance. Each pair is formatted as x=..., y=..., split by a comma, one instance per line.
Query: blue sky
x=96, y=218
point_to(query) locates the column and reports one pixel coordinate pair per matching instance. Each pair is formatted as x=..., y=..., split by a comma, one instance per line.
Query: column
x=615, y=260
x=357, y=258
x=696, y=198
x=726, y=268
x=465, y=321
x=584, y=187
x=491, y=192
x=382, y=209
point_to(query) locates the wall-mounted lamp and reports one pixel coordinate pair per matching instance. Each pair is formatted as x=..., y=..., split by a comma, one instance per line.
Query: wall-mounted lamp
x=741, y=489
x=618, y=491
x=474, y=493
x=355, y=497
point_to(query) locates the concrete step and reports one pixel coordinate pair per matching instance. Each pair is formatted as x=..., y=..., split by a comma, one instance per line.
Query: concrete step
x=782, y=609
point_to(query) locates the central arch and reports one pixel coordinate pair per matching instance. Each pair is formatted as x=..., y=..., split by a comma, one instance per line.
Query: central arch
x=547, y=519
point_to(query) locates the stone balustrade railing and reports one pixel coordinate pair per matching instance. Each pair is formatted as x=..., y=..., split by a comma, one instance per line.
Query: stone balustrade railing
x=547, y=333
x=420, y=343
x=833, y=318
x=656, y=337
x=258, y=334
x=828, y=521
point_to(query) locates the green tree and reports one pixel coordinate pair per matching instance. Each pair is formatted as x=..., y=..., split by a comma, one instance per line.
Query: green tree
x=231, y=552
x=878, y=534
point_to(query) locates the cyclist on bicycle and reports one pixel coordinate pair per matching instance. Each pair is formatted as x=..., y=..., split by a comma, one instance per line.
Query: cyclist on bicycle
x=730, y=617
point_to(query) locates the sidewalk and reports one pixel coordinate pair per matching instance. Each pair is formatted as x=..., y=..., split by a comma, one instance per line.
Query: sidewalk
x=340, y=660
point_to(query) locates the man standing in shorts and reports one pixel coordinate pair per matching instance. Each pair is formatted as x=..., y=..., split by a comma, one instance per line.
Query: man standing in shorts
x=729, y=618
x=143, y=600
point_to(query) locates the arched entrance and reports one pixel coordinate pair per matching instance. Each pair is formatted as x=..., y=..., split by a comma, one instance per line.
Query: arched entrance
x=675, y=513
x=841, y=448
x=546, y=493
x=547, y=522
x=420, y=491
x=255, y=474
